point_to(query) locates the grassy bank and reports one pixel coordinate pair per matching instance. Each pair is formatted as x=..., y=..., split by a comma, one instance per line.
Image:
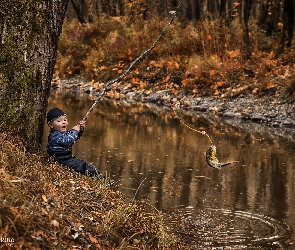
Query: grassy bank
x=46, y=206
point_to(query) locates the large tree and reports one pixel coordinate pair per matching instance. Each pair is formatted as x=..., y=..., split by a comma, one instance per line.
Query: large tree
x=29, y=33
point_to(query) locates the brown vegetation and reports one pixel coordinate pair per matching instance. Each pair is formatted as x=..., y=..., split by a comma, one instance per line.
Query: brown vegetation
x=195, y=58
x=44, y=206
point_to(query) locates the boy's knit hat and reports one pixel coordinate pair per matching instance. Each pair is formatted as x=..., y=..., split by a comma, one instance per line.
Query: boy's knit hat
x=53, y=114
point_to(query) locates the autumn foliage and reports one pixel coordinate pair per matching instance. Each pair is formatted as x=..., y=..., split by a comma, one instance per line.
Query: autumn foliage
x=44, y=206
x=192, y=58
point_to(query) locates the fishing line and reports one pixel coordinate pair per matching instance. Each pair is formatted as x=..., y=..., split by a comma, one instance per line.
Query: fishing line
x=195, y=130
x=211, y=155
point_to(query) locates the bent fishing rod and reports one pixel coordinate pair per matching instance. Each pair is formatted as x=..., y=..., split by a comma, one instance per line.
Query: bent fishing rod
x=109, y=83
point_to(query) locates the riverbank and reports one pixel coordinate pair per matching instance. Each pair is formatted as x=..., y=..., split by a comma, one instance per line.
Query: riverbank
x=275, y=108
x=44, y=206
x=188, y=69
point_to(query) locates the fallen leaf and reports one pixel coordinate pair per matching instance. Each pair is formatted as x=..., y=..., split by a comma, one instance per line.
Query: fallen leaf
x=150, y=91
x=44, y=197
x=185, y=82
x=14, y=210
x=54, y=223
x=174, y=91
x=167, y=78
x=93, y=239
x=111, y=94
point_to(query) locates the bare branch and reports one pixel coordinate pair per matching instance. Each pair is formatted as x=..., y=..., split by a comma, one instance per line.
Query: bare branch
x=173, y=15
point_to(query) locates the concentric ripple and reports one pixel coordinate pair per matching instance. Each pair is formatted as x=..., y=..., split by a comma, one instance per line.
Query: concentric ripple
x=226, y=229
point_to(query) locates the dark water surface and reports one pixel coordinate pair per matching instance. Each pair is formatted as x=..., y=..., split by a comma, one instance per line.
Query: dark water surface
x=249, y=205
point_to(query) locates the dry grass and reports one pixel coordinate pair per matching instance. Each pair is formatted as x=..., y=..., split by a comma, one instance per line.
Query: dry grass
x=203, y=58
x=44, y=206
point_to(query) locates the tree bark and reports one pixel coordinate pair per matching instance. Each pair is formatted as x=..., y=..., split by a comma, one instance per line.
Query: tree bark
x=29, y=34
x=246, y=15
x=81, y=9
x=288, y=28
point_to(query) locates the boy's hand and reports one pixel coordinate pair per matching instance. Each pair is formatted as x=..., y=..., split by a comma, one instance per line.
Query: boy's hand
x=82, y=125
x=77, y=127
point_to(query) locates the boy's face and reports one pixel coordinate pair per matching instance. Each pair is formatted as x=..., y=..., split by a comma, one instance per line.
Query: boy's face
x=60, y=123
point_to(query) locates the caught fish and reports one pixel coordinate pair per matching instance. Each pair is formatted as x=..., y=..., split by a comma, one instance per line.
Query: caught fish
x=212, y=160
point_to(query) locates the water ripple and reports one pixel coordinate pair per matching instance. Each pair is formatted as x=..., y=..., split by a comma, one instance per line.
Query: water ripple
x=226, y=229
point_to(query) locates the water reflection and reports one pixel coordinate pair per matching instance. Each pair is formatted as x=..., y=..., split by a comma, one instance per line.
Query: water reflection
x=157, y=158
x=226, y=229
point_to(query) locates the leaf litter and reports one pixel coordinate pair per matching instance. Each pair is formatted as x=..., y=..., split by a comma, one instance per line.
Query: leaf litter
x=52, y=207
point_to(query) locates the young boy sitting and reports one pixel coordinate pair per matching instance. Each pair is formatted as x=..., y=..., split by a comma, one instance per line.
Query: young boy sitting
x=61, y=140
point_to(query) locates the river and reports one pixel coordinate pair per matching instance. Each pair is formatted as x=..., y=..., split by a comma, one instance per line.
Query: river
x=151, y=155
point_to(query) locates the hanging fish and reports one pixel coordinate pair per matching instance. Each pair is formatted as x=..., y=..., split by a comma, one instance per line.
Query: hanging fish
x=212, y=160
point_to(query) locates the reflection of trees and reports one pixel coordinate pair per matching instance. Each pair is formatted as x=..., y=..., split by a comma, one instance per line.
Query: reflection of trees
x=171, y=157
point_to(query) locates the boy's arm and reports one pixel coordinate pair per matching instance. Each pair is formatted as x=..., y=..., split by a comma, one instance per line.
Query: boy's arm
x=65, y=139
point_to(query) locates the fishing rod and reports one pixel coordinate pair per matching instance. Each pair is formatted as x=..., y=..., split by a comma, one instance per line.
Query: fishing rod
x=109, y=83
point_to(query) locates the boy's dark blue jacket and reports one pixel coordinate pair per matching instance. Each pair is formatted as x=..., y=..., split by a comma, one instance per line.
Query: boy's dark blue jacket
x=60, y=146
x=60, y=143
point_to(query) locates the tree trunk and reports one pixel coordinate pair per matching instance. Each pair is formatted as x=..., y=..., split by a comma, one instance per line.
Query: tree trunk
x=246, y=15
x=288, y=28
x=81, y=10
x=29, y=34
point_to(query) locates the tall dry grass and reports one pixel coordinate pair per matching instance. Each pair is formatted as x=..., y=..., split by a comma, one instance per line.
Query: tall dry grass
x=203, y=58
x=46, y=206
x=90, y=48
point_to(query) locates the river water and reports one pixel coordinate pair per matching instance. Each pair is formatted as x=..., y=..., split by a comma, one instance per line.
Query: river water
x=151, y=155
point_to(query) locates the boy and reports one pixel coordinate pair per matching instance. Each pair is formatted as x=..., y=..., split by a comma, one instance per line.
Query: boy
x=61, y=140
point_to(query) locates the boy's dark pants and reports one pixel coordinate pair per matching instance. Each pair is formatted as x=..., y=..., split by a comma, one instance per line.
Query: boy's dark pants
x=78, y=165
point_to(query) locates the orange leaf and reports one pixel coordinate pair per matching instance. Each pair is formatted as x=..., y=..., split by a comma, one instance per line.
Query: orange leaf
x=150, y=91
x=212, y=72
x=142, y=84
x=111, y=94
x=270, y=85
x=93, y=239
x=170, y=65
x=135, y=80
x=219, y=84
x=167, y=78
x=174, y=91
x=14, y=210
x=209, y=38
x=185, y=82
x=129, y=52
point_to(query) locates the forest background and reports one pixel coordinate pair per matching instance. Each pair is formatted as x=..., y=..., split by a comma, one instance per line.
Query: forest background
x=220, y=48
x=226, y=49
